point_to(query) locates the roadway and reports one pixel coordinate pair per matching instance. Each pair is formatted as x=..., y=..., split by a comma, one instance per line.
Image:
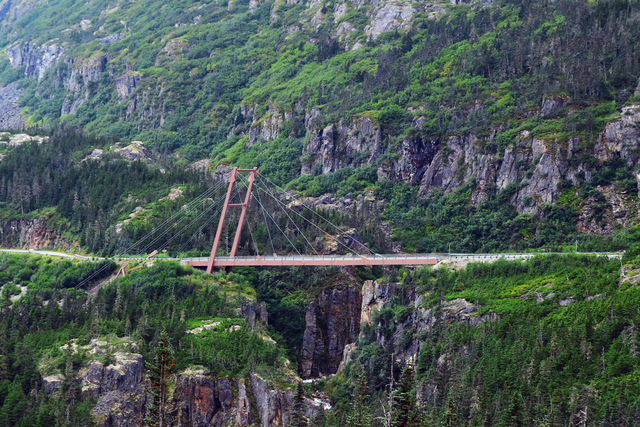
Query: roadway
x=390, y=259
x=320, y=260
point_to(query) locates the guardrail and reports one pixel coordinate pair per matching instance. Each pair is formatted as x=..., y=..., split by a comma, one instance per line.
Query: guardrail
x=344, y=258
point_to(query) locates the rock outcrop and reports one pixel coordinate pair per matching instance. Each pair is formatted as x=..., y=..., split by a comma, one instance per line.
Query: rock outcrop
x=389, y=16
x=36, y=59
x=531, y=166
x=343, y=145
x=136, y=151
x=403, y=339
x=268, y=127
x=332, y=322
x=197, y=399
x=122, y=391
x=84, y=71
x=208, y=401
x=9, y=110
x=119, y=389
x=32, y=234
x=127, y=84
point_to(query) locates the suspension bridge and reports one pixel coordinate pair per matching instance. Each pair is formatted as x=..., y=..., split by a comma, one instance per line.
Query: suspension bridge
x=281, y=216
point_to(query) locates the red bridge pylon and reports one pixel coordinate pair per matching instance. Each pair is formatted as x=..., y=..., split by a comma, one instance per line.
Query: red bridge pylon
x=247, y=198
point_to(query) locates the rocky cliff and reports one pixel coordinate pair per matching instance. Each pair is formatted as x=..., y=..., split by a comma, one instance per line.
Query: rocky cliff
x=121, y=389
x=33, y=234
x=340, y=315
x=332, y=321
x=36, y=59
x=9, y=110
x=534, y=164
x=403, y=335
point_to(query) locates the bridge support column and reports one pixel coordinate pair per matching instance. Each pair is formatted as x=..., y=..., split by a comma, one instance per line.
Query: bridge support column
x=243, y=214
x=123, y=270
x=247, y=198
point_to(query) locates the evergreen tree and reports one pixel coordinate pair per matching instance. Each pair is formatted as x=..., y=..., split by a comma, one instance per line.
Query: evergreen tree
x=405, y=412
x=160, y=374
x=14, y=406
x=361, y=413
x=297, y=418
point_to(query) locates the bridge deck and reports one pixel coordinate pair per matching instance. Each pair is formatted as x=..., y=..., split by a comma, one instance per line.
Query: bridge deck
x=318, y=260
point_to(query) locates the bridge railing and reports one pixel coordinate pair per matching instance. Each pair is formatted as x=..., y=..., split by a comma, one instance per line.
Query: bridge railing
x=438, y=255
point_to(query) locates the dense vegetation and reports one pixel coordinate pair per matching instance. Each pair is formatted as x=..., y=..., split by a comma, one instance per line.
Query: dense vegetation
x=550, y=341
x=554, y=336
x=165, y=297
x=473, y=67
x=563, y=339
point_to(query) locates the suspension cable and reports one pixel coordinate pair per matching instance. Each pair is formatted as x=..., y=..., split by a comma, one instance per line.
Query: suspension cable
x=264, y=210
x=288, y=193
x=205, y=194
x=266, y=225
x=207, y=222
x=192, y=222
x=190, y=207
x=294, y=224
x=316, y=226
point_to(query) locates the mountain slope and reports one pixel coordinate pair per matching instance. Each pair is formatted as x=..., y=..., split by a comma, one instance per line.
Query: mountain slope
x=527, y=100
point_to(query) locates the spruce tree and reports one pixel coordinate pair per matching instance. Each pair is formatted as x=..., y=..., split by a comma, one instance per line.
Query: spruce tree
x=361, y=413
x=160, y=374
x=405, y=412
x=297, y=418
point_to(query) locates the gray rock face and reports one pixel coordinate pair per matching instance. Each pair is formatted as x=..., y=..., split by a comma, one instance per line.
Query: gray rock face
x=266, y=128
x=375, y=296
x=338, y=146
x=136, y=151
x=31, y=234
x=9, y=109
x=91, y=379
x=621, y=137
x=52, y=383
x=255, y=312
x=12, y=10
x=205, y=398
x=36, y=59
x=204, y=401
x=532, y=166
x=84, y=71
x=389, y=16
x=111, y=38
x=332, y=322
x=95, y=155
x=127, y=84
x=550, y=105
x=274, y=405
x=119, y=388
x=196, y=399
x=70, y=107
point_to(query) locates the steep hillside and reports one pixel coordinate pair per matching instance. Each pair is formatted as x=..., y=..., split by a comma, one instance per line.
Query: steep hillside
x=530, y=102
x=548, y=341
x=68, y=357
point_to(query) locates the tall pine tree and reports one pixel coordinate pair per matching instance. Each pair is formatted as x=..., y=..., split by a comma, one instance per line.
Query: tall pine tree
x=297, y=414
x=160, y=374
x=361, y=413
x=405, y=411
